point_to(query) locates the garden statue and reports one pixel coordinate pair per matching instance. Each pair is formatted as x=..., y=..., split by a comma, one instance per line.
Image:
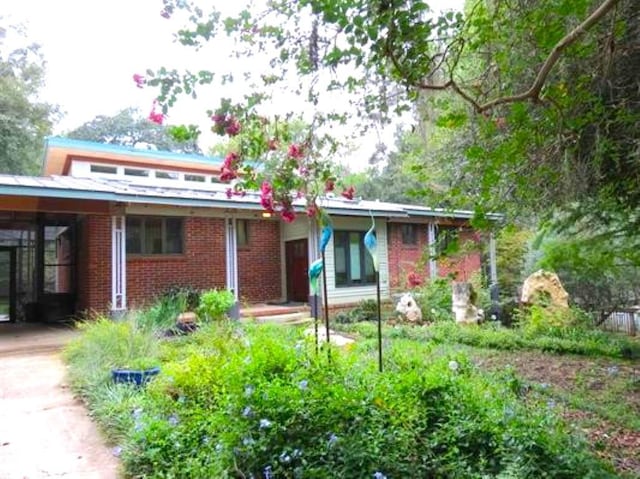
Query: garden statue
x=409, y=309
x=463, y=304
x=544, y=287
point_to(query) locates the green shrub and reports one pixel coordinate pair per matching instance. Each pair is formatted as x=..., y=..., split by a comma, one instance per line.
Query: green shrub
x=214, y=304
x=256, y=401
x=434, y=300
x=366, y=310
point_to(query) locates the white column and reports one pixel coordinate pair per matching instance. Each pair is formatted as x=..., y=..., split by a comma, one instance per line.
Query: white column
x=231, y=255
x=314, y=240
x=431, y=239
x=118, y=264
x=493, y=268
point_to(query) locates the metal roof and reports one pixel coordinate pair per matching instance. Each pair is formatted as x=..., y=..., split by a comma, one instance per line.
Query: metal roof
x=212, y=195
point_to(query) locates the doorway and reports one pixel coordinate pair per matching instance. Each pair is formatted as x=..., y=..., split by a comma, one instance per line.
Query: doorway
x=297, y=264
x=7, y=284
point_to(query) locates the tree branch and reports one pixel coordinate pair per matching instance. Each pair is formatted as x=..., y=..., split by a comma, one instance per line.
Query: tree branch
x=533, y=93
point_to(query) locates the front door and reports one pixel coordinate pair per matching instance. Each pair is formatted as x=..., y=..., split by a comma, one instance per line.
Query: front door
x=297, y=260
x=7, y=284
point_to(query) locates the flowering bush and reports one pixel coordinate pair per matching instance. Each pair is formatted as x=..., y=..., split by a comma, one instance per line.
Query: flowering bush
x=257, y=401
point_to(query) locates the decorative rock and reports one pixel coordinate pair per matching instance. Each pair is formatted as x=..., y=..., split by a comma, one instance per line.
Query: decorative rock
x=463, y=307
x=545, y=286
x=409, y=309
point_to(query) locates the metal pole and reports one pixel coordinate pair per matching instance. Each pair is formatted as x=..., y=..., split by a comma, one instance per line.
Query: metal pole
x=315, y=320
x=326, y=302
x=379, y=322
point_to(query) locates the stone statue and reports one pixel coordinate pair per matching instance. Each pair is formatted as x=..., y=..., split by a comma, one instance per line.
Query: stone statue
x=544, y=287
x=409, y=309
x=463, y=304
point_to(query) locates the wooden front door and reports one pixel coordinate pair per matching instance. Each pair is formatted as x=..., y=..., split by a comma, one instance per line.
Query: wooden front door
x=297, y=259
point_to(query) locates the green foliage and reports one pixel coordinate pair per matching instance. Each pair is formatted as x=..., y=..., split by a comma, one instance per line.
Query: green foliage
x=570, y=340
x=434, y=300
x=129, y=128
x=214, y=304
x=107, y=344
x=24, y=121
x=512, y=245
x=257, y=401
x=366, y=310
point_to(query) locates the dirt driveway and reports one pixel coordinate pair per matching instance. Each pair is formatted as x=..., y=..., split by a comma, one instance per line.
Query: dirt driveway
x=44, y=431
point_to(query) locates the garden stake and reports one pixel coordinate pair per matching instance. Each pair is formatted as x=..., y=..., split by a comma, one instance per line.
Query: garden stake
x=326, y=307
x=314, y=273
x=371, y=243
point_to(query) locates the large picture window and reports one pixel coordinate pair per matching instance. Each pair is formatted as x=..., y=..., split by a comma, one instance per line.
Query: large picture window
x=154, y=235
x=353, y=264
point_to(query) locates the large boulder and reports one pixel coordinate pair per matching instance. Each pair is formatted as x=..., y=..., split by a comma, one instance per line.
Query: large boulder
x=463, y=304
x=544, y=287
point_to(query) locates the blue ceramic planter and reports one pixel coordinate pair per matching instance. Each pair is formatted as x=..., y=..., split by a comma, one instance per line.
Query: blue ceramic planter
x=132, y=376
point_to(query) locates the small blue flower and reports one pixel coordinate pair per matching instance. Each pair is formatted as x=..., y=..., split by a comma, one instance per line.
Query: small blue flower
x=613, y=370
x=116, y=451
x=379, y=475
x=299, y=347
x=247, y=412
x=137, y=413
x=285, y=458
x=247, y=441
x=551, y=404
x=544, y=385
x=332, y=439
x=296, y=453
x=268, y=474
x=181, y=400
x=265, y=423
x=219, y=447
x=303, y=385
x=248, y=391
x=137, y=427
x=173, y=420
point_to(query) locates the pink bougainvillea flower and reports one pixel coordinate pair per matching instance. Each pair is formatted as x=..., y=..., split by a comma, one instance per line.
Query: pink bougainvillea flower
x=288, y=216
x=267, y=203
x=229, y=193
x=228, y=174
x=329, y=185
x=296, y=151
x=139, y=80
x=266, y=188
x=233, y=127
x=155, y=116
x=349, y=193
x=230, y=161
x=217, y=118
x=165, y=14
x=312, y=211
x=273, y=144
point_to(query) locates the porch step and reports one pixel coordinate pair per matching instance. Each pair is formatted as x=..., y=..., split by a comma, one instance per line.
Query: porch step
x=288, y=319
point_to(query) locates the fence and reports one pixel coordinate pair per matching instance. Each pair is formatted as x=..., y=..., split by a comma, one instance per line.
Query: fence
x=627, y=321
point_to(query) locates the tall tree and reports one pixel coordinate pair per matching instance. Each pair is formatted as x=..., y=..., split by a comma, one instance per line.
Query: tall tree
x=24, y=120
x=129, y=128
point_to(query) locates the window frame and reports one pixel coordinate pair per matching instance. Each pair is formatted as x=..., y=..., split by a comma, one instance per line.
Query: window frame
x=363, y=254
x=247, y=234
x=163, y=235
x=412, y=237
x=445, y=236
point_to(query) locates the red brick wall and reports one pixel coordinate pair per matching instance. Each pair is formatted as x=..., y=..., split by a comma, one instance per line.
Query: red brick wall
x=259, y=263
x=407, y=258
x=202, y=265
x=94, y=263
x=404, y=259
x=463, y=267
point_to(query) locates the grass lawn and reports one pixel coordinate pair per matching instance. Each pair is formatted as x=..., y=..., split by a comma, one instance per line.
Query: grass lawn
x=257, y=401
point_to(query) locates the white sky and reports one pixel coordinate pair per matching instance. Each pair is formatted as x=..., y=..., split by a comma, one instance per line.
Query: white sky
x=93, y=47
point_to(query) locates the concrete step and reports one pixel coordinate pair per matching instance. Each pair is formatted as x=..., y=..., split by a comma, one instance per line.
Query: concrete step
x=289, y=318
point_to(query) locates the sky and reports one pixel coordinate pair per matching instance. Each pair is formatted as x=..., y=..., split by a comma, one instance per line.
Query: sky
x=93, y=48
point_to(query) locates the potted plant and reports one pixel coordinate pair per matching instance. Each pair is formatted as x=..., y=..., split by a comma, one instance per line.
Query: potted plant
x=188, y=300
x=138, y=372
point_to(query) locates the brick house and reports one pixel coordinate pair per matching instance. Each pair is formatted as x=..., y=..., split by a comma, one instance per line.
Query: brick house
x=109, y=227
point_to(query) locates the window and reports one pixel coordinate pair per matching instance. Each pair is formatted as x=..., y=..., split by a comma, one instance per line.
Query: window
x=446, y=240
x=111, y=170
x=154, y=235
x=167, y=175
x=135, y=172
x=353, y=264
x=242, y=232
x=198, y=178
x=409, y=234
